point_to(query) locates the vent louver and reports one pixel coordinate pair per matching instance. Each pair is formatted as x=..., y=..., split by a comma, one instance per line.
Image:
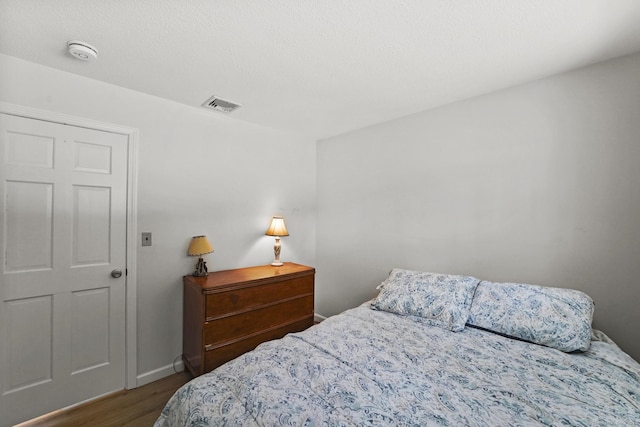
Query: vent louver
x=221, y=105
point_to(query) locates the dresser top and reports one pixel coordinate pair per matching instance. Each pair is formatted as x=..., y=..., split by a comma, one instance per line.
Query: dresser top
x=249, y=275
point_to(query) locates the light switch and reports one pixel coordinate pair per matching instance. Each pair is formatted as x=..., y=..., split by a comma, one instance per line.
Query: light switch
x=146, y=239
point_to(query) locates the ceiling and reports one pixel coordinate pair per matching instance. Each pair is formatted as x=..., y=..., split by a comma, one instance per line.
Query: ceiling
x=324, y=67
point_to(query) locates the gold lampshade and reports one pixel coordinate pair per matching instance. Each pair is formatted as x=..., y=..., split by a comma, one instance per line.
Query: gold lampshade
x=277, y=227
x=199, y=246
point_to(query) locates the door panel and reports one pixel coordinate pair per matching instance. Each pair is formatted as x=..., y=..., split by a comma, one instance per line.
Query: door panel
x=89, y=329
x=30, y=340
x=62, y=231
x=29, y=211
x=24, y=149
x=92, y=157
x=91, y=225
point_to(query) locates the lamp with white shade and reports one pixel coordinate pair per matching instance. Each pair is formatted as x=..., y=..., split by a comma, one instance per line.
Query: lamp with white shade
x=277, y=229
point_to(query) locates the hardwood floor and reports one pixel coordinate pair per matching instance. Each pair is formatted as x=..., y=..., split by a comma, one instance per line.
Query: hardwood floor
x=139, y=407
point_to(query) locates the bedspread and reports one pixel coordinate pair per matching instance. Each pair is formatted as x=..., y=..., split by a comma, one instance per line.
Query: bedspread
x=372, y=368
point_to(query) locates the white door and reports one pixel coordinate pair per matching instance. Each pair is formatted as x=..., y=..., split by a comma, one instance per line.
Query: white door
x=62, y=234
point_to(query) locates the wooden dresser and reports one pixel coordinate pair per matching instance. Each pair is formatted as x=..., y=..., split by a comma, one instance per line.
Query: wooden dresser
x=228, y=313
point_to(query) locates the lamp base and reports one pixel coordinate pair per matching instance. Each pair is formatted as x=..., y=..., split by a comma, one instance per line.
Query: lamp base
x=276, y=252
x=201, y=268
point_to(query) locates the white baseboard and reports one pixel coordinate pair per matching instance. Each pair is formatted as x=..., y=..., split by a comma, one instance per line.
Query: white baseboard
x=158, y=374
x=318, y=318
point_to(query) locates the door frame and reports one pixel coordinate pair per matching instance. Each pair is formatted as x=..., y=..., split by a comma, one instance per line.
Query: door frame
x=131, y=373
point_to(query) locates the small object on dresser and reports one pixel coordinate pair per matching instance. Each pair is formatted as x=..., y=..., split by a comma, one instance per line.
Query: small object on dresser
x=277, y=229
x=200, y=246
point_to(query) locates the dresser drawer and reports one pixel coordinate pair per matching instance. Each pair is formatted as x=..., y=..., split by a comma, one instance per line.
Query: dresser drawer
x=215, y=357
x=247, y=323
x=224, y=303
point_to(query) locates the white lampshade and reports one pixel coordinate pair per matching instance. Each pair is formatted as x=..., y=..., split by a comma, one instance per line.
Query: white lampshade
x=277, y=227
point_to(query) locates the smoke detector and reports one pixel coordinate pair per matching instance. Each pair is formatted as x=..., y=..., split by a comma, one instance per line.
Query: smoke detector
x=221, y=105
x=81, y=50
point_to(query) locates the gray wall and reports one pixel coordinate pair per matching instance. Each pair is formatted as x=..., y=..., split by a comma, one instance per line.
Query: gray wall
x=539, y=183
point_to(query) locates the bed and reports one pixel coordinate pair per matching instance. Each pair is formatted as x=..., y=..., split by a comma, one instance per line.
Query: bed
x=430, y=350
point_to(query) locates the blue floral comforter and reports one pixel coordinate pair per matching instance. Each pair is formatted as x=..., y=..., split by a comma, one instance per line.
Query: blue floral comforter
x=372, y=368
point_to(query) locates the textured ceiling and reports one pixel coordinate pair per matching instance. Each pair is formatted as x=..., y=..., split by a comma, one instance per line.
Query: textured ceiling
x=321, y=67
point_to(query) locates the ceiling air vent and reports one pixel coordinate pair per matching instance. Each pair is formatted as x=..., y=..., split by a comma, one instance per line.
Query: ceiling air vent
x=222, y=105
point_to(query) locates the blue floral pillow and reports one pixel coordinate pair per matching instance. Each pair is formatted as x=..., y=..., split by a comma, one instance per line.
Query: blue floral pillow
x=441, y=300
x=554, y=317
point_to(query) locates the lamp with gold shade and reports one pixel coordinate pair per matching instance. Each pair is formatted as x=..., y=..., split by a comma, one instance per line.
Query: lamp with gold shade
x=277, y=229
x=200, y=246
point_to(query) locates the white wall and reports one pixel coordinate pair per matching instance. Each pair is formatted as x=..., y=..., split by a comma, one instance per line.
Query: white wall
x=538, y=183
x=199, y=172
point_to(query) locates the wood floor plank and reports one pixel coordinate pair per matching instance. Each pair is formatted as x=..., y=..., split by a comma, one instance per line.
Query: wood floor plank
x=139, y=407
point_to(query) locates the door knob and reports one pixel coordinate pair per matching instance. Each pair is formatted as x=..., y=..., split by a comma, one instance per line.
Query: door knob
x=116, y=273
